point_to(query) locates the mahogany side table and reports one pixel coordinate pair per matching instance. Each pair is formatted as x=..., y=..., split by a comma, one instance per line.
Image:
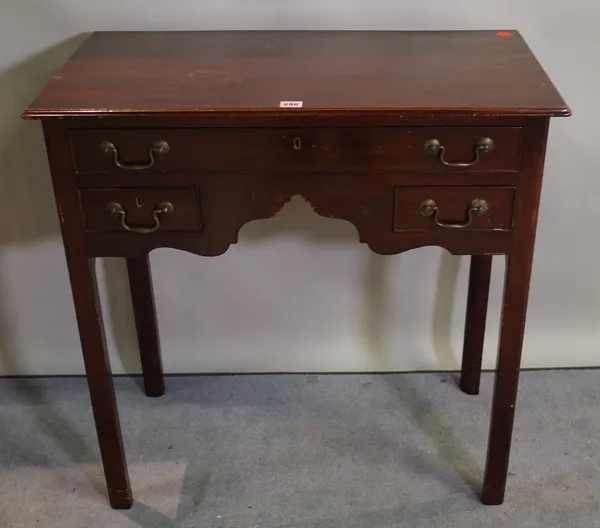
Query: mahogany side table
x=177, y=139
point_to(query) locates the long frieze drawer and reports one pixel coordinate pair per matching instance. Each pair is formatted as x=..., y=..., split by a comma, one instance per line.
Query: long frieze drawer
x=328, y=149
x=140, y=210
x=453, y=208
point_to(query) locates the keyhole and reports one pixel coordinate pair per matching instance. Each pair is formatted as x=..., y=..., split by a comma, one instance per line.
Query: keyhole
x=297, y=144
x=138, y=202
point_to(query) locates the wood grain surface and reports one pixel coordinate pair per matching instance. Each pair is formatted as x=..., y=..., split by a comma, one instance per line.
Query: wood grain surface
x=204, y=72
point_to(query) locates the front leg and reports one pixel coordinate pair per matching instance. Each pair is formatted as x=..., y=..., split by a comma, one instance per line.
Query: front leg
x=518, y=271
x=514, y=308
x=82, y=273
x=84, y=287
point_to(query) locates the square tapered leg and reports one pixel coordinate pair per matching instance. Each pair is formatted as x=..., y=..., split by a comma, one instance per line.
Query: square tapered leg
x=477, y=304
x=142, y=298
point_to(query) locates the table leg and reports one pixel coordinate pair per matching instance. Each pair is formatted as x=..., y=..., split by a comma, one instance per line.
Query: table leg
x=91, y=330
x=477, y=303
x=142, y=297
x=516, y=291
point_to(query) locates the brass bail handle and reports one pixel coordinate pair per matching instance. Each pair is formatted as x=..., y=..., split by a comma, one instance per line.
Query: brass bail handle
x=478, y=207
x=117, y=209
x=158, y=148
x=435, y=147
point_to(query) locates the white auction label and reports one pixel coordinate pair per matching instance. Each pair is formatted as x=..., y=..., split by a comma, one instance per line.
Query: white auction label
x=290, y=104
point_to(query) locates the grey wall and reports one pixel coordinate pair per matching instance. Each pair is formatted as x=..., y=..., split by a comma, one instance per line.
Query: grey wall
x=336, y=306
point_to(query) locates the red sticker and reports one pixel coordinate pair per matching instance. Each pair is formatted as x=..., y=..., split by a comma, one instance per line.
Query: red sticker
x=505, y=34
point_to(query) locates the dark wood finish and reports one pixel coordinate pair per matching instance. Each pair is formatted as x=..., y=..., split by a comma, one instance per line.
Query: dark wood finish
x=371, y=99
x=473, y=72
x=454, y=204
x=201, y=180
x=99, y=377
x=329, y=150
x=288, y=119
x=512, y=324
x=146, y=325
x=477, y=302
x=82, y=274
x=139, y=204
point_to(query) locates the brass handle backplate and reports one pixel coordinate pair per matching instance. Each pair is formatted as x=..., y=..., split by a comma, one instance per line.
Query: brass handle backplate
x=478, y=207
x=435, y=147
x=117, y=209
x=159, y=148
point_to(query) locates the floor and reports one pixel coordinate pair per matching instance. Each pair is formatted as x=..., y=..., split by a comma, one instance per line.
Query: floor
x=302, y=451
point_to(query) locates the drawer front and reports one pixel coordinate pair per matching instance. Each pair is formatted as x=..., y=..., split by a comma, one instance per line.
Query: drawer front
x=140, y=210
x=453, y=208
x=329, y=149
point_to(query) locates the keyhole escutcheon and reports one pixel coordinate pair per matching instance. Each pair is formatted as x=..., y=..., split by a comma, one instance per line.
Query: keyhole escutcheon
x=297, y=143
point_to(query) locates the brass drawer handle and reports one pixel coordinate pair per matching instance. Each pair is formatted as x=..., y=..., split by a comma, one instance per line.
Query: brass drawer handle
x=430, y=208
x=159, y=148
x=435, y=147
x=116, y=209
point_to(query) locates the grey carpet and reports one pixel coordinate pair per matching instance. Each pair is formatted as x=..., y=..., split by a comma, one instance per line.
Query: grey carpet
x=302, y=451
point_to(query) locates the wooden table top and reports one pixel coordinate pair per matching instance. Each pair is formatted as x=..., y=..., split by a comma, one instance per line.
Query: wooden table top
x=401, y=72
